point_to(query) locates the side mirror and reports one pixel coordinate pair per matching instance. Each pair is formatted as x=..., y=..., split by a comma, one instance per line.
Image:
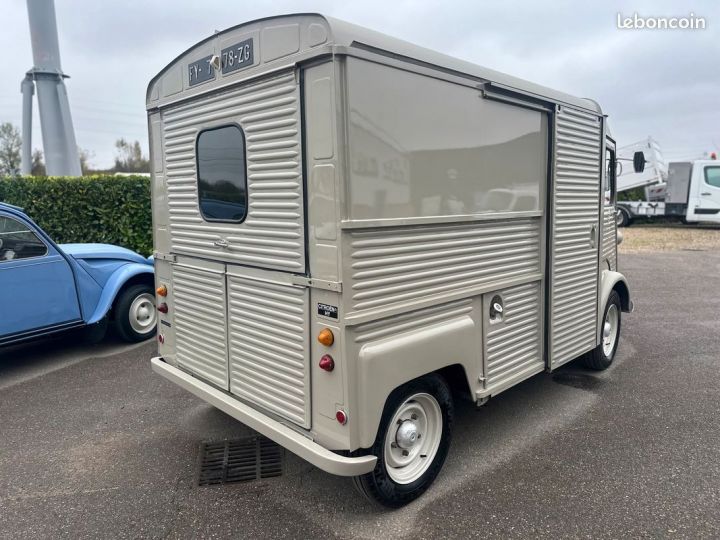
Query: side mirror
x=639, y=162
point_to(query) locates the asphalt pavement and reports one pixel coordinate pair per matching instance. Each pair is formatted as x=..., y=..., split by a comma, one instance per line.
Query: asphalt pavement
x=92, y=444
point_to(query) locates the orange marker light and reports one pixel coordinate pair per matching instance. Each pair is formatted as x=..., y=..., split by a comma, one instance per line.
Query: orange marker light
x=161, y=290
x=326, y=337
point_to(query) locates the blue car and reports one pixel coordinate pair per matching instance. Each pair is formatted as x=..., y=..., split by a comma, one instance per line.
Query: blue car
x=47, y=288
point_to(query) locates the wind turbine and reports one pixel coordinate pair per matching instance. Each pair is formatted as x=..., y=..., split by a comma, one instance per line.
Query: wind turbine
x=61, y=154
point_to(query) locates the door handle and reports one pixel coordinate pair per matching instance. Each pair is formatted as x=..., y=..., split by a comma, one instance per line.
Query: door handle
x=706, y=194
x=221, y=243
x=593, y=235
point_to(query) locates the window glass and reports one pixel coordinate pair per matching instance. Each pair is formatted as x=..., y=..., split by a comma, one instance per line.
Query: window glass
x=424, y=147
x=222, y=181
x=712, y=176
x=610, y=174
x=17, y=241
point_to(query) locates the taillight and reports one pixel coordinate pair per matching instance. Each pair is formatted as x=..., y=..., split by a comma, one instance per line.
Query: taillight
x=327, y=363
x=163, y=308
x=341, y=417
x=161, y=290
x=326, y=337
x=161, y=338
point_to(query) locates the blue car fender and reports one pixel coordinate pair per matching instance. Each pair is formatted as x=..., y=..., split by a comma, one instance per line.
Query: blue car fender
x=113, y=285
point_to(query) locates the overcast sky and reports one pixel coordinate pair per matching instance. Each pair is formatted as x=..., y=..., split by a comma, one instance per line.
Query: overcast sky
x=664, y=83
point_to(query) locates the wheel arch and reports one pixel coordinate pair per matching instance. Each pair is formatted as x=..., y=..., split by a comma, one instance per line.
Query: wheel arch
x=123, y=277
x=615, y=281
x=388, y=364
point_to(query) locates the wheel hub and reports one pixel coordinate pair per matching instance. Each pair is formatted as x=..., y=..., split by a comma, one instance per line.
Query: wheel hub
x=407, y=434
x=142, y=314
x=607, y=328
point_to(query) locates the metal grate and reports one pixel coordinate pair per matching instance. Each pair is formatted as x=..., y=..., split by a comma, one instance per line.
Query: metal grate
x=240, y=460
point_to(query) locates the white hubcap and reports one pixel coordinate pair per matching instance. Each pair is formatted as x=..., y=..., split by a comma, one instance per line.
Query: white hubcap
x=142, y=313
x=610, y=329
x=413, y=438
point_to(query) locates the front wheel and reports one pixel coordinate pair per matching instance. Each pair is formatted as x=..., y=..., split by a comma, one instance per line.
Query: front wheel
x=135, y=313
x=412, y=442
x=602, y=356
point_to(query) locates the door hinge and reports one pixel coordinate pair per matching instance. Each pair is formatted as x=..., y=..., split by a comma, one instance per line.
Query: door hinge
x=164, y=257
x=334, y=286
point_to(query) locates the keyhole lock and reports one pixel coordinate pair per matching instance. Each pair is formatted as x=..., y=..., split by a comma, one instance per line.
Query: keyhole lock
x=496, y=308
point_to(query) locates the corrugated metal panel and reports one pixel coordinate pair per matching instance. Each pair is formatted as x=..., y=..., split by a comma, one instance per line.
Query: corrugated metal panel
x=272, y=235
x=199, y=319
x=269, y=361
x=513, y=344
x=395, y=264
x=408, y=322
x=574, y=274
x=609, y=241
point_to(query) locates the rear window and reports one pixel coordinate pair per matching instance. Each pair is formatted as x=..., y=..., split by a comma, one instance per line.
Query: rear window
x=221, y=174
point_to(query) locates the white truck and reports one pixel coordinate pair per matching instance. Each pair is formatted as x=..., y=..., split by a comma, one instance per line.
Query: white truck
x=654, y=172
x=351, y=230
x=692, y=193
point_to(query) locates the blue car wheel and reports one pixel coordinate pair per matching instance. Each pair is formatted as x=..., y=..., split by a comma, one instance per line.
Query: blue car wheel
x=135, y=313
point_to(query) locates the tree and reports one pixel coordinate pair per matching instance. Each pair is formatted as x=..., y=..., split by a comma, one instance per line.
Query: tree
x=85, y=157
x=130, y=157
x=37, y=168
x=10, y=145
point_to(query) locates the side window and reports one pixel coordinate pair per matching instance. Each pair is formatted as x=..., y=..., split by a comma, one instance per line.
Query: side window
x=712, y=176
x=610, y=176
x=221, y=174
x=18, y=241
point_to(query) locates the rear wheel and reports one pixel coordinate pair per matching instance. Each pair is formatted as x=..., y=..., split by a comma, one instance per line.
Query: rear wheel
x=412, y=442
x=135, y=313
x=625, y=220
x=603, y=355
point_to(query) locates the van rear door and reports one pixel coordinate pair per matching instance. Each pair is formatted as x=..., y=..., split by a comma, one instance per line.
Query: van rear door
x=258, y=219
x=236, y=223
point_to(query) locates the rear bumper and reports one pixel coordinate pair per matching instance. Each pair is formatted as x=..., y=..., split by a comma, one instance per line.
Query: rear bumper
x=298, y=444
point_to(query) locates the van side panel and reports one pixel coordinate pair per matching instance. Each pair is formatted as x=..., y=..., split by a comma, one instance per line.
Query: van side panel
x=444, y=212
x=575, y=235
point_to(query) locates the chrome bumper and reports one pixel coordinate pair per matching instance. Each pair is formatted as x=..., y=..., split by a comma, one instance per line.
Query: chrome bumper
x=298, y=444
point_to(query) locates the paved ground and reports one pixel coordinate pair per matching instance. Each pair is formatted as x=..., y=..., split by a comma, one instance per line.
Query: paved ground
x=103, y=448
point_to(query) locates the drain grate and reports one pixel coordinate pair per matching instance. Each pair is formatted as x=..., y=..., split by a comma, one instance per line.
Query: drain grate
x=239, y=460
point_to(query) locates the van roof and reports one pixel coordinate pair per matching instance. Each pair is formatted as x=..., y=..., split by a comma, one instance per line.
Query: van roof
x=343, y=35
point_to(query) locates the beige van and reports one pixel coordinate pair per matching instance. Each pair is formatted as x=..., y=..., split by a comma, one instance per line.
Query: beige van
x=352, y=231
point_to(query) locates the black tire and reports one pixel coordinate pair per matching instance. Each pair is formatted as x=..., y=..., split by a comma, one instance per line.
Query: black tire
x=122, y=322
x=378, y=486
x=597, y=358
x=625, y=219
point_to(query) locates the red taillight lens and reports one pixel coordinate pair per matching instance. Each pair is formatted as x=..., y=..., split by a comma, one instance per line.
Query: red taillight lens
x=163, y=308
x=341, y=417
x=161, y=338
x=327, y=363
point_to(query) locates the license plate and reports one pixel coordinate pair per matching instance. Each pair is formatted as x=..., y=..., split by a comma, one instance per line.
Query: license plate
x=237, y=56
x=200, y=71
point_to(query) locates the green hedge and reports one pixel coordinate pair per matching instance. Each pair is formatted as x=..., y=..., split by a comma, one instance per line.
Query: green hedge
x=635, y=194
x=106, y=209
